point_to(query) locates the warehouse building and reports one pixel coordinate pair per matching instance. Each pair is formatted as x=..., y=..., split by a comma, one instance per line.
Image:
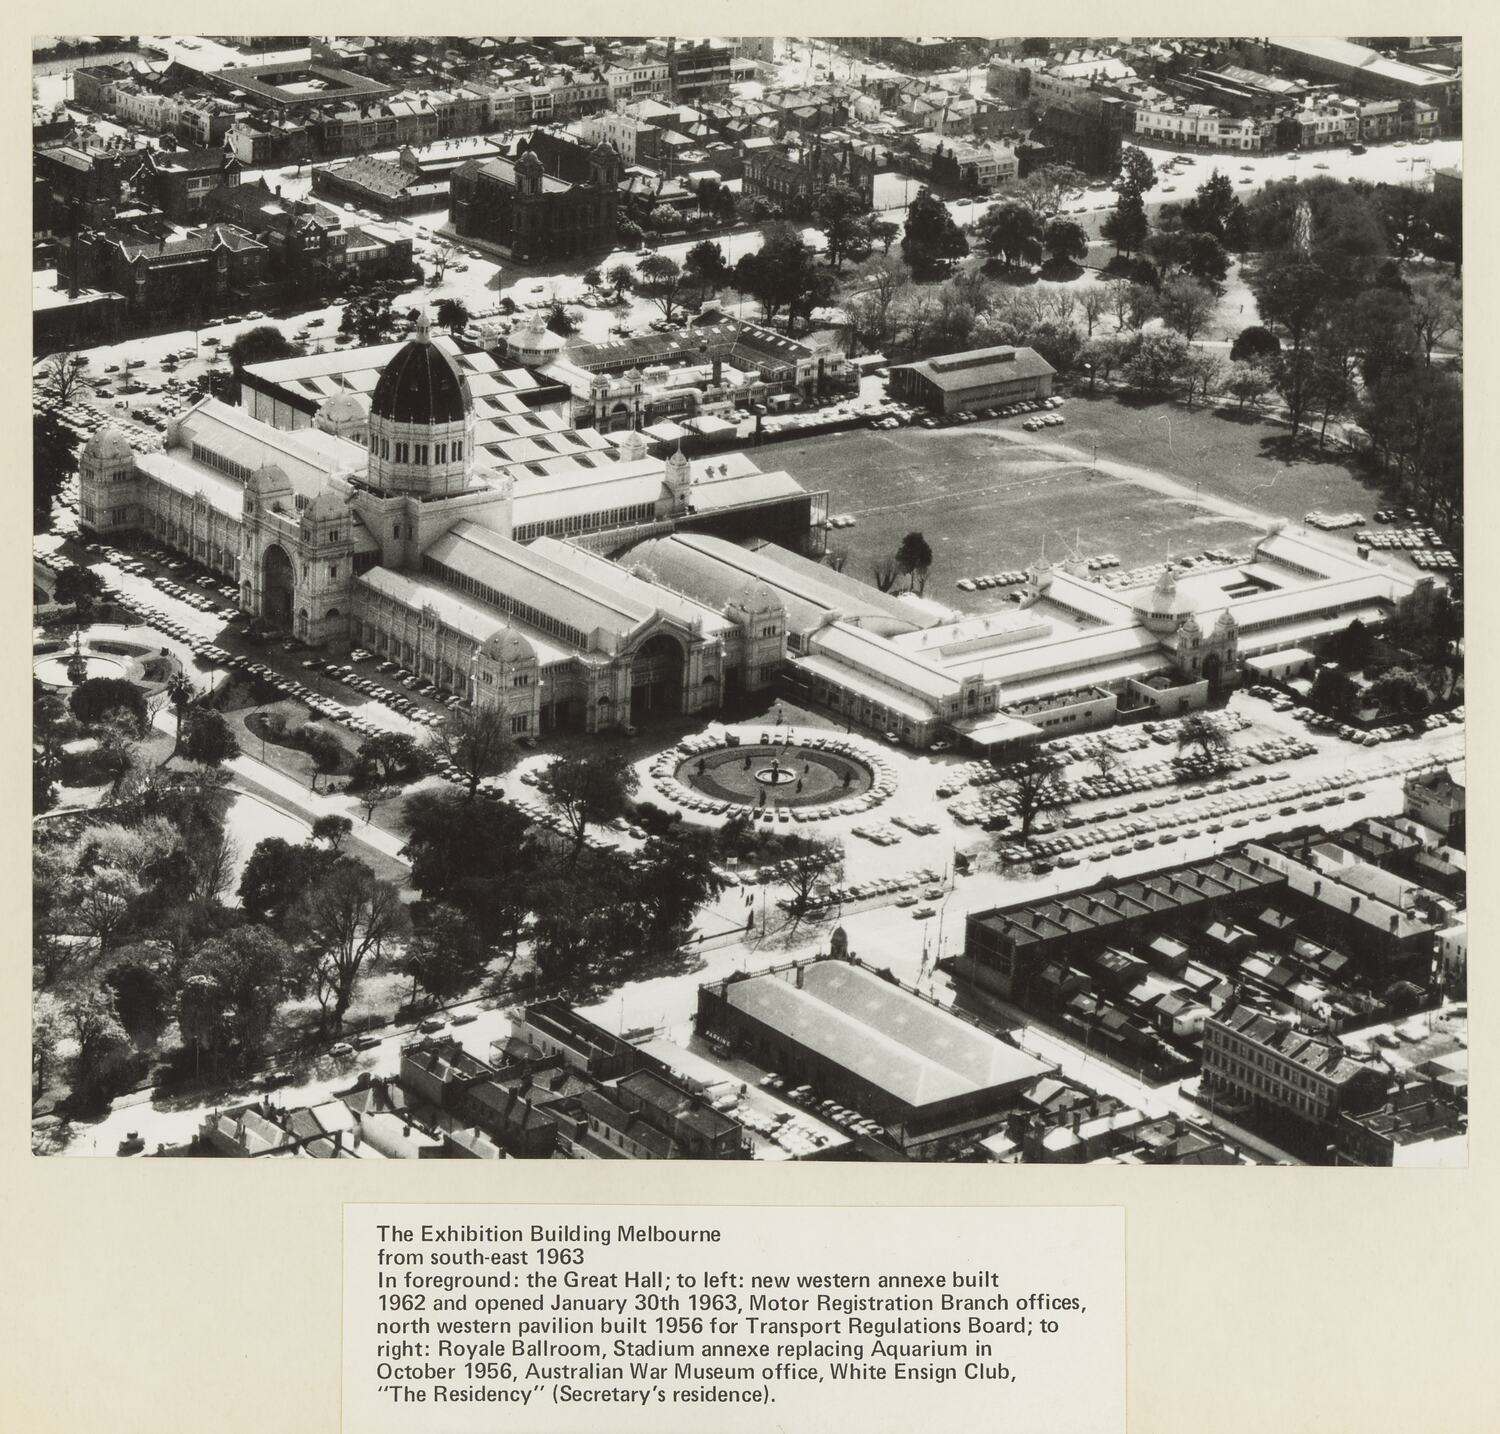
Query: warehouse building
x=925, y=1073
x=981, y=378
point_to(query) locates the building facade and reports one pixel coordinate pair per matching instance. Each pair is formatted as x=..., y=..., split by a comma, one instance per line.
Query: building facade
x=555, y=199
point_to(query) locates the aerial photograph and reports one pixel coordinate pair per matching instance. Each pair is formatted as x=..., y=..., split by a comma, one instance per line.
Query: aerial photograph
x=748, y=598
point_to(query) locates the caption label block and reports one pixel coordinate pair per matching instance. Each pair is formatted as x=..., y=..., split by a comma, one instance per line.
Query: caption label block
x=667, y=1318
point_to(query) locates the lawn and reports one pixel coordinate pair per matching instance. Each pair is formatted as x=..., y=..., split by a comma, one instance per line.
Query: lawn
x=987, y=503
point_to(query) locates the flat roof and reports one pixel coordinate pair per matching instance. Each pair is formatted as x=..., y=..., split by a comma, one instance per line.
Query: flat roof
x=913, y=1050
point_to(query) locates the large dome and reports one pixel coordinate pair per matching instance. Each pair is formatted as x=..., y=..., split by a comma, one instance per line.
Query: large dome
x=421, y=385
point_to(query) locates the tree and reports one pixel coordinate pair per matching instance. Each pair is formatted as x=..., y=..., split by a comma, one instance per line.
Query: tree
x=180, y=695
x=1335, y=692
x=1255, y=342
x=811, y=874
x=1204, y=371
x=452, y=314
x=1100, y=357
x=261, y=344
x=478, y=741
x=593, y=278
x=1157, y=361
x=101, y=1048
x=53, y=461
x=476, y=856
x=1204, y=257
x=844, y=218
x=674, y=876
x=1065, y=242
x=341, y=920
x=884, y=572
x=1215, y=210
x=560, y=320
x=1292, y=293
x=1137, y=173
x=1344, y=226
x=706, y=266
x=231, y=991
x=784, y=274
x=1186, y=306
x=914, y=558
x=368, y=318
x=588, y=789
x=386, y=759
x=1133, y=304
x=1010, y=232
x=48, y=1027
x=208, y=739
x=62, y=377
x=1295, y=373
x=82, y=587
x=874, y=301
x=621, y=279
x=1206, y=735
x=276, y=877
x=1415, y=422
x=661, y=280
x=1045, y=190
x=1249, y=383
x=1436, y=310
x=1399, y=692
x=445, y=956
x=442, y=256
x=1127, y=226
x=1032, y=786
x=332, y=829
x=97, y=698
x=931, y=242
x=1093, y=304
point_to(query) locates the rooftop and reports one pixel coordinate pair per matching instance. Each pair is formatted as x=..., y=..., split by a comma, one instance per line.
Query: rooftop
x=908, y=1047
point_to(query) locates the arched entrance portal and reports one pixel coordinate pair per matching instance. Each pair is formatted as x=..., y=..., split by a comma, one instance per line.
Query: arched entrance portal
x=1213, y=670
x=276, y=587
x=656, y=676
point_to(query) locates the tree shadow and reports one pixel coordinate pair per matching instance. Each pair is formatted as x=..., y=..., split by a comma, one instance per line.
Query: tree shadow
x=1284, y=448
x=1063, y=271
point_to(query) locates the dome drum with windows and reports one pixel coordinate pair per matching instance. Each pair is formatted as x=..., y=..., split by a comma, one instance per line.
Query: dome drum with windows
x=421, y=422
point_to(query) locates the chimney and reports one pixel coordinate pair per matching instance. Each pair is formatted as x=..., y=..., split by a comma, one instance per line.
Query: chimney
x=1353, y=906
x=1395, y=921
x=1077, y=1120
x=1317, y=889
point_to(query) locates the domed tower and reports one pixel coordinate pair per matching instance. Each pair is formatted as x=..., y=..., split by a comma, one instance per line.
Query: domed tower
x=505, y=673
x=421, y=422
x=1162, y=608
x=107, y=497
x=345, y=415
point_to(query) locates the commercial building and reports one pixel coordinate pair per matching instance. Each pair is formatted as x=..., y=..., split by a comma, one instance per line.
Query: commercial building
x=1439, y=799
x=979, y=378
x=1006, y=949
x=1424, y=1125
x=1264, y=1065
x=928, y=1075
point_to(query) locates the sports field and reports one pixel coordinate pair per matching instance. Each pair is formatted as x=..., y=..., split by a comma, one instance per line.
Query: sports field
x=988, y=496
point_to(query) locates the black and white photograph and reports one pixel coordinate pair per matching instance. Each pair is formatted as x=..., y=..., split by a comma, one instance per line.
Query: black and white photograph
x=710, y=598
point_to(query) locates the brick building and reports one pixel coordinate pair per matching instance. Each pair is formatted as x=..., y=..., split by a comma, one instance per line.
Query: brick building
x=554, y=199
